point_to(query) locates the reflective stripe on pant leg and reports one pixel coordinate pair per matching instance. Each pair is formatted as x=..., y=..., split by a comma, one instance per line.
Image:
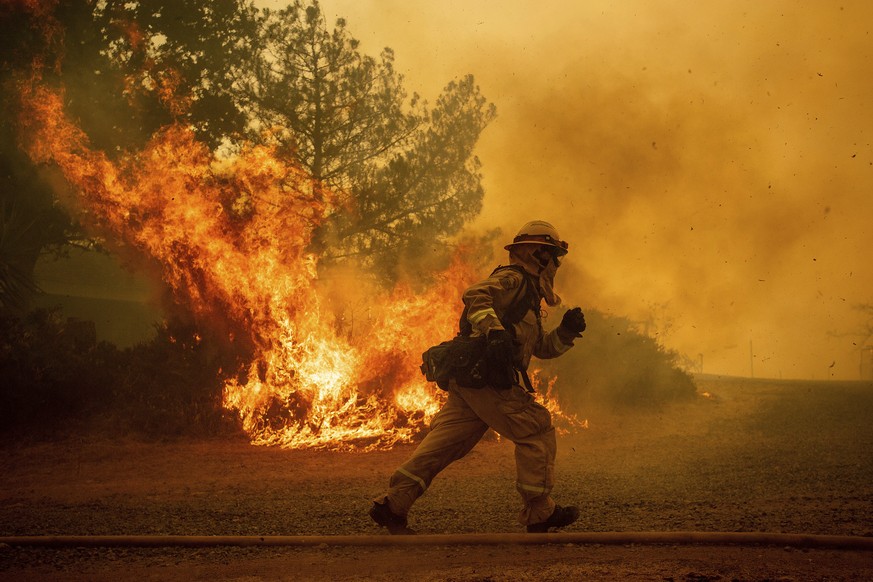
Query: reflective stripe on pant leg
x=535, y=489
x=403, y=489
x=535, y=463
x=514, y=414
x=415, y=478
x=454, y=431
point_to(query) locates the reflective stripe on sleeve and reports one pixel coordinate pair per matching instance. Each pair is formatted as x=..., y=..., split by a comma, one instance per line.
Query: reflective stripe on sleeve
x=415, y=478
x=478, y=316
x=559, y=346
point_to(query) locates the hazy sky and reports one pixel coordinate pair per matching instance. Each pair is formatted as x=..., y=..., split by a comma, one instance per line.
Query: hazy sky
x=710, y=163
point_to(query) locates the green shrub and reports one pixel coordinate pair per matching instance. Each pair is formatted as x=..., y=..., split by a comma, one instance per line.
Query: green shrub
x=48, y=375
x=170, y=386
x=615, y=365
x=57, y=378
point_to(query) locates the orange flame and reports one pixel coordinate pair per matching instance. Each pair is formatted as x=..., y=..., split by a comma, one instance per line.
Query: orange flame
x=231, y=236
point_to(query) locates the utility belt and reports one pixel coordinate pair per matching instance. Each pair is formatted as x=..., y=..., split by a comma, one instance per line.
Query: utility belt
x=463, y=360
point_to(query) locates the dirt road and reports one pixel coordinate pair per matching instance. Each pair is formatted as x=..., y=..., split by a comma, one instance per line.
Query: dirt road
x=788, y=457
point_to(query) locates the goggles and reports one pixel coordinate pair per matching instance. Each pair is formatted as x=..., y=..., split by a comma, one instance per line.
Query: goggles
x=561, y=247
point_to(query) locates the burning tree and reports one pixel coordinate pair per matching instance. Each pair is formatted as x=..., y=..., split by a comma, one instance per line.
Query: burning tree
x=31, y=223
x=233, y=152
x=403, y=172
x=407, y=173
x=235, y=231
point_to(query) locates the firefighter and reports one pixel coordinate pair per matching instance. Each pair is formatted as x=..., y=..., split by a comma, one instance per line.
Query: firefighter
x=504, y=404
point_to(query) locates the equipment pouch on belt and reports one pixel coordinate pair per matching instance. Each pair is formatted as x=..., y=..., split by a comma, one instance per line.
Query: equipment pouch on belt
x=462, y=358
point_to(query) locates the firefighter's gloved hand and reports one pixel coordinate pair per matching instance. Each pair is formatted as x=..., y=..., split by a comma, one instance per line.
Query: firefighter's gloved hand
x=573, y=322
x=499, y=348
x=498, y=353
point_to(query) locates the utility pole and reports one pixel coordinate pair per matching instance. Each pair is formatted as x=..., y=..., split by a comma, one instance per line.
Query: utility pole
x=751, y=360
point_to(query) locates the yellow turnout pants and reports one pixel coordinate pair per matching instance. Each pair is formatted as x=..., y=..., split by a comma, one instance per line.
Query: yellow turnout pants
x=460, y=424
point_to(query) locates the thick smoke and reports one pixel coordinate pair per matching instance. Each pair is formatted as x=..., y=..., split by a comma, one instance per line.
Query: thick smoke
x=710, y=164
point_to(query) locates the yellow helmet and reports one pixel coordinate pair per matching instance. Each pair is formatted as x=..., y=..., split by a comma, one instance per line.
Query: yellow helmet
x=539, y=232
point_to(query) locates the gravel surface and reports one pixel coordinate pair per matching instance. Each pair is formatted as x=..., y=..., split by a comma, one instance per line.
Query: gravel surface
x=789, y=457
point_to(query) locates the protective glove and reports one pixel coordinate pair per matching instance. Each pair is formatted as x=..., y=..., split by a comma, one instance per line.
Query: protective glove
x=499, y=348
x=573, y=322
x=498, y=353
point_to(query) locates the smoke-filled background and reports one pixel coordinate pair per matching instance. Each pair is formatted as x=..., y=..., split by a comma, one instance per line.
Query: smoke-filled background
x=711, y=168
x=709, y=163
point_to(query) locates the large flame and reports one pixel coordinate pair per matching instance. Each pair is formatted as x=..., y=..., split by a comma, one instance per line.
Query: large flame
x=230, y=236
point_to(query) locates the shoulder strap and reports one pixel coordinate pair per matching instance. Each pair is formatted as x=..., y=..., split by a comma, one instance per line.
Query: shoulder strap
x=528, y=299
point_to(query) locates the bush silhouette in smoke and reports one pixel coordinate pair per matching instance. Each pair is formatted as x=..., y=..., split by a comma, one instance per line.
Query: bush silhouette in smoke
x=619, y=367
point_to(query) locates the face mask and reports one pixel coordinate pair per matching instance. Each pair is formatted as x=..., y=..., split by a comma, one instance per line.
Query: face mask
x=532, y=257
x=547, y=283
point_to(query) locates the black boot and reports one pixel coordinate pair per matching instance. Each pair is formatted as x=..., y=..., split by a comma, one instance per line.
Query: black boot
x=561, y=517
x=383, y=516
